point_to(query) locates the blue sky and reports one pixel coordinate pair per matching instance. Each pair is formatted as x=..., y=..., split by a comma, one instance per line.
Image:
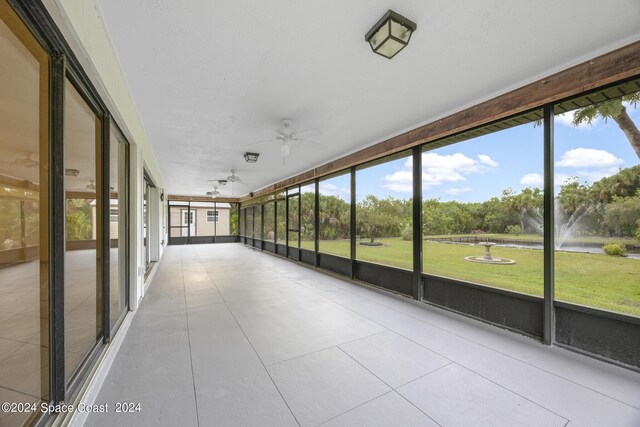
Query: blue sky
x=478, y=169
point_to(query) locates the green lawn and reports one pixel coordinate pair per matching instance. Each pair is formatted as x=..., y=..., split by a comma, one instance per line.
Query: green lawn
x=596, y=280
x=600, y=240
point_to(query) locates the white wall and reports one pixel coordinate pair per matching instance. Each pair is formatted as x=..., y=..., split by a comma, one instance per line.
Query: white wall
x=84, y=30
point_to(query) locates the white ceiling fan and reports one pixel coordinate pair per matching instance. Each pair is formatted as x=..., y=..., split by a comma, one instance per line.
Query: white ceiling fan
x=233, y=178
x=215, y=193
x=288, y=136
x=26, y=161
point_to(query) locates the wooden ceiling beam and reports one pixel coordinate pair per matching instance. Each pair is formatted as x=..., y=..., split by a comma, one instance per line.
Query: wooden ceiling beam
x=598, y=72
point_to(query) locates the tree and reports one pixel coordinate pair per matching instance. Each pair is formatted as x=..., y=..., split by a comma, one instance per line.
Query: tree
x=578, y=205
x=334, y=218
x=379, y=217
x=78, y=219
x=625, y=183
x=528, y=203
x=622, y=216
x=492, y=216
x=613, y=109
x=233, y=219
x=307, y=215
x=573, y=196
x=434, y=219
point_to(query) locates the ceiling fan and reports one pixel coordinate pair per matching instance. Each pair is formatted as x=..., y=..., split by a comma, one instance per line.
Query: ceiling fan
x=26, y=161
x=288, y=136
x=231, y=178
x=92, y=185
x=215, y=193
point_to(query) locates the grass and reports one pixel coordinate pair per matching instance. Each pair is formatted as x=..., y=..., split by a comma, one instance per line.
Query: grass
x=595, y=280
x=601, y=240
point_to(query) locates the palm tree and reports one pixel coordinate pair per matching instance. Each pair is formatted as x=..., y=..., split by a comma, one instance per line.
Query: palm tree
x=613, y=109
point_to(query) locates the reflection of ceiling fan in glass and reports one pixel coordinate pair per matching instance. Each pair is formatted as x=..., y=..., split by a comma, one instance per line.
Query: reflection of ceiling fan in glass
x=26, y=161
x=91, y=186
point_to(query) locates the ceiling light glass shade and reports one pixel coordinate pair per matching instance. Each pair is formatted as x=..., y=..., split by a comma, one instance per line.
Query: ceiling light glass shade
x=251, y=157
x=391, y=34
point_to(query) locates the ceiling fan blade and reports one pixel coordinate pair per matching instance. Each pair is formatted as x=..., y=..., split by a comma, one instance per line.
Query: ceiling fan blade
x=259, y=142
x=310, y=132
x=233, y=177
x=314, y=144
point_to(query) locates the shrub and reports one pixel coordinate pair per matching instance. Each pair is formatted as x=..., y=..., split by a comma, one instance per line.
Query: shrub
x=513, y=229
x=638, y=233
x=614, y=249
x=407, y=232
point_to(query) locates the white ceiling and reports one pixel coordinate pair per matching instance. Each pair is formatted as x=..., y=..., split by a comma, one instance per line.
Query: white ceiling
x=210, y=76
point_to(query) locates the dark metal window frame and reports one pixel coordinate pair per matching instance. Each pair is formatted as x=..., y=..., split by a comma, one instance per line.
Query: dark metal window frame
x=147, y=183
x=127, y=243
x=548, y=302
x=215, y=238
x=288, y=228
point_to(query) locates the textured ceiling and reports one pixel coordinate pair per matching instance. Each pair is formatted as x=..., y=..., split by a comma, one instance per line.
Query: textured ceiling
x=209, y=77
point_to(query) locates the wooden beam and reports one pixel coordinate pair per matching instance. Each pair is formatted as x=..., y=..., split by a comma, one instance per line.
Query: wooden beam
x=618, y=65
x=175, y=198
x=18, y=183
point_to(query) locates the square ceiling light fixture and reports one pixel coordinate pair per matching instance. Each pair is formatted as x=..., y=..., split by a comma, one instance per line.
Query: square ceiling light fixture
x=251, y=157
x=390, y=34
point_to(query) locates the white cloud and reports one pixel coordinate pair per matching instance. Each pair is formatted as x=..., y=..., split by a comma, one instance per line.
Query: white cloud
x=458, y=162
x=487, y=160
x=582, y=176
x=328, y=189
x=533, y=179
x=596, y=175
x=438, y=169
x=566, y=119
x=562, y=178
x=327, y=186
x=588, y=158
x=400, y=181
x=456, y=191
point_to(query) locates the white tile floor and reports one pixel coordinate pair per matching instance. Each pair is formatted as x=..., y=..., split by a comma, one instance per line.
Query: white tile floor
x=228, y=336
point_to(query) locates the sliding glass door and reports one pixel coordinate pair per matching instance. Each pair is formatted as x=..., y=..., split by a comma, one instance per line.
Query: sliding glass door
x=24, y=213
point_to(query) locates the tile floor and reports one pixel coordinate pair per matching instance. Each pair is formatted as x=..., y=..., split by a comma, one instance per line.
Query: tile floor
x=228, y=336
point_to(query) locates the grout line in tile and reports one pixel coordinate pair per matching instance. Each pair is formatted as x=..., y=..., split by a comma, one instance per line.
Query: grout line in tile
x=254, y=350
x=466, y=339
x=514, y=392
x=354, y=408
x=378, y=323
x=193, y=378
x=325, y=348
x=385, y=383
